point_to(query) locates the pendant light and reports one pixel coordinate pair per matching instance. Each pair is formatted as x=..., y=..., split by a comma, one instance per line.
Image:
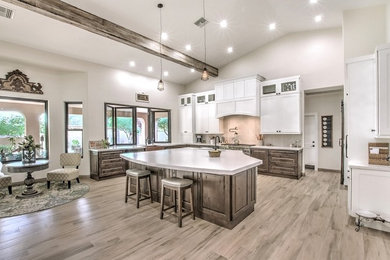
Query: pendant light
x=161, y=84
x=205, y=73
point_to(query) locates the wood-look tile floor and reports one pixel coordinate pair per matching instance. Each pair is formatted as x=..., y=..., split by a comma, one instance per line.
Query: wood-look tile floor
x=305, y=219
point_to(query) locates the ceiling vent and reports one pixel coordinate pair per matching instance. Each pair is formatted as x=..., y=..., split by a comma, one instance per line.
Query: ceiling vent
x=201, y=22
x=5, y=12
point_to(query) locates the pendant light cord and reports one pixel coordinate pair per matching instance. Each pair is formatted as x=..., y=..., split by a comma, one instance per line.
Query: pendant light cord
x=160, y=44
x=204, y=32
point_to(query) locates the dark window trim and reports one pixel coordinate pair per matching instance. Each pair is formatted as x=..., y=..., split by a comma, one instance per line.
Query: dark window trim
x=67, y=129
x=46, y=102
x=108, y=104
x=152, y=129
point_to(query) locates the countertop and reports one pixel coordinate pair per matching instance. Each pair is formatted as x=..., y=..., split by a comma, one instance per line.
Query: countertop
x=195, y=160
x=278, y=147
x=120, y=147
x=364, y=166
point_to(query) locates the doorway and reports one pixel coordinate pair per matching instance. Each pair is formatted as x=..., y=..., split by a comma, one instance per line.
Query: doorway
x=311, y=141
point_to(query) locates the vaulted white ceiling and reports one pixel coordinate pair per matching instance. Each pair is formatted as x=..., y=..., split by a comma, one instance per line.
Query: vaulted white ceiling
x=247, y=29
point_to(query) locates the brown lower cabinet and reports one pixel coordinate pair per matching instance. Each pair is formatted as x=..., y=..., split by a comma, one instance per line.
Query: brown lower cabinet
x=283, y=163
x=106, y=164
x=224, y=200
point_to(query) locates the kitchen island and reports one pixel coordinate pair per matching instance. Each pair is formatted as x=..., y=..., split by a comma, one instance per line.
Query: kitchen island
x=224, y=187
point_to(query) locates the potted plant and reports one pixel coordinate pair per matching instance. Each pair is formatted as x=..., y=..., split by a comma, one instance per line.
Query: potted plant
x=28, y=149
x=75, y=144
x=105, y=143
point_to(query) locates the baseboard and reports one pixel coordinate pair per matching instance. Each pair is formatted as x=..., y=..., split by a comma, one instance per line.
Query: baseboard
x=328, y=170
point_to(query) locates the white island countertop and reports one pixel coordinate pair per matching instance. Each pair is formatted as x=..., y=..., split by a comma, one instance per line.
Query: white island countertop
x=195, y=160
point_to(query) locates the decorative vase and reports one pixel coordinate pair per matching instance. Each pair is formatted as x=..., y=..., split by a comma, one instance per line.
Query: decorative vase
x=28, y=156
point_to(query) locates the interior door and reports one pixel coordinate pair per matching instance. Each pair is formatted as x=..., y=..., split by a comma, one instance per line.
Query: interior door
x=311, y=141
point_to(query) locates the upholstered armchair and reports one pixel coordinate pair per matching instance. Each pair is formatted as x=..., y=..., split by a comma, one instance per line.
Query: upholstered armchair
x=70, y=163
x=5, y=180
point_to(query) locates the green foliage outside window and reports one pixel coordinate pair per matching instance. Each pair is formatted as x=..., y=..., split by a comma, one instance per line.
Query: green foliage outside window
x=12, y=124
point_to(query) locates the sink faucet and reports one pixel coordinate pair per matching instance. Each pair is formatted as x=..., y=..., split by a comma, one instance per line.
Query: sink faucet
x=215, y=141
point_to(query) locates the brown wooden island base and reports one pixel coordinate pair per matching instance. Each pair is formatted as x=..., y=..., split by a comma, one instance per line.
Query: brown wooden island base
x=224, y=200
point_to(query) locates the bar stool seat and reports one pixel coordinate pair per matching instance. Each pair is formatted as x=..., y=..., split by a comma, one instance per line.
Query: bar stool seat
x=138, y=175
x=177, y=182
x=177, y=185
x=137, y=172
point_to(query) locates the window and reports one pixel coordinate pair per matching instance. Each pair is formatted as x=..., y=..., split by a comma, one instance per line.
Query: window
x=20, y=117
x=120, y=124
x=161, y=126
x=135, y=125
x=74, y=127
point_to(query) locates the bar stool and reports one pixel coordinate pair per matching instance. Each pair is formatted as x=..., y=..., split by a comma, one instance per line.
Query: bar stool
x=177, y=185
x=138, y=175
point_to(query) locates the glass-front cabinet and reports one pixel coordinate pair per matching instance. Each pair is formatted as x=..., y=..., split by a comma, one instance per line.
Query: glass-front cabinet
x=280, y=86
x=205, y=97
x=185, y=100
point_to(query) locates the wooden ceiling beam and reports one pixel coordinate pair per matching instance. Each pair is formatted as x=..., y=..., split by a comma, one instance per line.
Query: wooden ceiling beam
x=70, y=14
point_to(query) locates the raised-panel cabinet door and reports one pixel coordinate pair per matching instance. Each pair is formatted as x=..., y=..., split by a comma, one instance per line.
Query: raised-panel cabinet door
x=290, y=117
x=269, y=115
x=202, y=119
x=213, y=120
x=185, y=117
x=360, y=107
x=219, y=92
x=384, y=92
x=250, y=88
x=239, y=89
x=228, y=91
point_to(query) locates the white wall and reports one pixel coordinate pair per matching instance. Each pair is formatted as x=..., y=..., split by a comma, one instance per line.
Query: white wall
x=363, y=30
x=315, y=55
x=65, y=79
x=324, y=105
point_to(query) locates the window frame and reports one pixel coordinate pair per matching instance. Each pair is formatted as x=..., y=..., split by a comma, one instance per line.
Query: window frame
x=66, y=125
x=46, y=104
x=151, y=136
x=152, y=129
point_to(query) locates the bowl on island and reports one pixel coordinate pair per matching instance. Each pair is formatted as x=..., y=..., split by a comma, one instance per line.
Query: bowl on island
x=214, y=153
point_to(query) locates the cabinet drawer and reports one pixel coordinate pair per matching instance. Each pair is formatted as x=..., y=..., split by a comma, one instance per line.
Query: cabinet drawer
x=111, y=160
x=112, y=171
x=283, y=154
x=110, y=155
x=276, y=169
x=283, y=161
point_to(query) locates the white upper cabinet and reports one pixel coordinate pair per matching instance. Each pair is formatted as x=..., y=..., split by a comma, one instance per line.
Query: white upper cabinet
x=185, y=100
x=238, y=96
x=282, y=86
x=205, y=113
x=383, y=57
x=360, y=107
x=186, y=118
x=281, y=114
x=281, y=106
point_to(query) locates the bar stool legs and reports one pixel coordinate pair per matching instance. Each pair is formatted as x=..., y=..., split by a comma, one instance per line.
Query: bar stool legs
x=177, y=186
x=138, y=176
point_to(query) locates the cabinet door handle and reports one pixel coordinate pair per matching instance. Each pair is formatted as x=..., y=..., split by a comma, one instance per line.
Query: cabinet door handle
x=373, y=130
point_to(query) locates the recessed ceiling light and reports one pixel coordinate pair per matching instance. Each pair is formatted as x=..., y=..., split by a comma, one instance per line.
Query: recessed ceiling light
x=230, y=49
x=166, y=73
x=318, y=18
x=272, y=26
x=188, y=47
x=192, y=70
x=223, y=23
x=150, y=68
x=313, y=1
x=164, y=36
x=132, y=63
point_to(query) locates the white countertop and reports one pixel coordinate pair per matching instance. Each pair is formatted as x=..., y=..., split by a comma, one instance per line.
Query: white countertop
x=195, y=160
x=277, y=147
x=369, y=167
x=119, y=147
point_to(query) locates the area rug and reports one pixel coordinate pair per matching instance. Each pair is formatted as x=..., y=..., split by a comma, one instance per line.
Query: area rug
x=58, y=194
